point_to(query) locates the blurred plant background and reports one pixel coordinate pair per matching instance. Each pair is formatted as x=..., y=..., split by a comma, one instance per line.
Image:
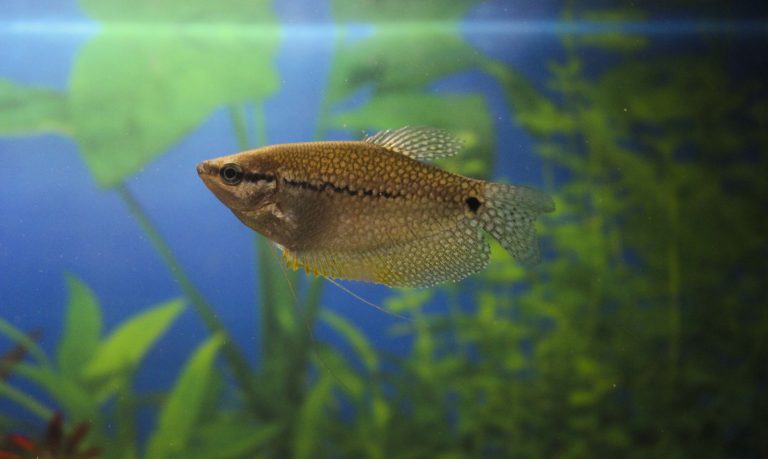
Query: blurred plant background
x=138, y=318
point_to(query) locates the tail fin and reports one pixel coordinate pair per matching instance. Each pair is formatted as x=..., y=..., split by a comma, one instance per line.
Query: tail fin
x=509, y=215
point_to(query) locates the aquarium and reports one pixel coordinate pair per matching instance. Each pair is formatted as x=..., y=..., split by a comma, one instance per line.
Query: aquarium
x=140, y=318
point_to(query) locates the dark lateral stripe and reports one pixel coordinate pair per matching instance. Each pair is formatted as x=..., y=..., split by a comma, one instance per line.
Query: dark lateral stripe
x=255, y=177
x=340, y=189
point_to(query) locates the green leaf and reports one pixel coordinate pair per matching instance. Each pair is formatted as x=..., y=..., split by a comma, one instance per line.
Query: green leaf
x=82, y=328
x=335, y=366
x=77, y=401
x=354, y=337
x=26, y=110
x=409, y=301
x=230, y=438
x=400, y=10
x=401, y=60
x=181, y=410
x=380, y=411
x=532, y=109
x=125, y=347
x=311, y=416
x=134, y=95
x=149, y=12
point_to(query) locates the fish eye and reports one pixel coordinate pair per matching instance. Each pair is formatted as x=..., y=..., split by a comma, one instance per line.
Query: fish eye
x=231, y=173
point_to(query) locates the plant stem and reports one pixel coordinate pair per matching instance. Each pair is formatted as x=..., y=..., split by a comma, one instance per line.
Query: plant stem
x=285, y=346
x=22, y=339
x=26, y=401
x=237, y=115
x=232, y=354
x=269, y=324
x=259, y=125
x=673, y=262
x=126, y=431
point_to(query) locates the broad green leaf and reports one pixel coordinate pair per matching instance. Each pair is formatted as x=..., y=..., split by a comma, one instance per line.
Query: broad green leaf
x=311, y=416
x=149, y=12
x=453, y=112
x=232, y=438
x=358, y=341
x=399, y=63
x=400, y=10
x=26, y=110
x=406, y=60
x=466, y=116
x=82, y=328
x=125, y=347
x=134, y=95
x=77, y=401
x=181, y=410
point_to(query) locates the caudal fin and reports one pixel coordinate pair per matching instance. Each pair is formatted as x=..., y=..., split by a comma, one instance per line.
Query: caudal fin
x=509, y=215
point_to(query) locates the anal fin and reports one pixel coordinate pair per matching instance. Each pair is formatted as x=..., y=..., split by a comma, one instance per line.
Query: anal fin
x=448, y=255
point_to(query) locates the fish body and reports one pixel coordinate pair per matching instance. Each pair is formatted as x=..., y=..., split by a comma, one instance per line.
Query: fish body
x=372, y=210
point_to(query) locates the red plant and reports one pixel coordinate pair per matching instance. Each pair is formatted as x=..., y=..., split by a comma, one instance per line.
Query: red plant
x=54, y=445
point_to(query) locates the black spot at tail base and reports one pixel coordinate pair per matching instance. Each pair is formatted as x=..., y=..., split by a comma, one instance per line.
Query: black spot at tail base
x=473, y=203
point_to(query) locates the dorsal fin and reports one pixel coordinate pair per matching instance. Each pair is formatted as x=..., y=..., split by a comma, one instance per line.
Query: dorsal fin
x=418, y=142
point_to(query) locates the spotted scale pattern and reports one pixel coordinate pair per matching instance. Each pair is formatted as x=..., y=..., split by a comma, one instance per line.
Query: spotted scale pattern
x=382, y=199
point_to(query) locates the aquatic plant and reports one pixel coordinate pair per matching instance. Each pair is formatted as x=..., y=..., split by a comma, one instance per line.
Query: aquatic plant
x=647, y=301
x=641, y=335
x=16, y=354
x=620, y=332
x=91, y=378
x=90, y=371
x=55, y=444
x=398, y=67
x=123, y=84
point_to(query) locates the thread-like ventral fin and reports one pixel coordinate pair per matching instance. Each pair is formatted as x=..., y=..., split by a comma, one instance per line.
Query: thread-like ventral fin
x=418, y=142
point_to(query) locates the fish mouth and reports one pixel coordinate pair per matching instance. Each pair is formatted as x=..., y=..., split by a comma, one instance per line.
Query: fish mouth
x=206, y=168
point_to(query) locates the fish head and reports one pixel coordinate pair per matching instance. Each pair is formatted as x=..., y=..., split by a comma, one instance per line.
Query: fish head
x=244, y=182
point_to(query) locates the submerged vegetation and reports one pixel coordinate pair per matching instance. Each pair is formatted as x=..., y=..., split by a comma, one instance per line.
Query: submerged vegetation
x=642, y=334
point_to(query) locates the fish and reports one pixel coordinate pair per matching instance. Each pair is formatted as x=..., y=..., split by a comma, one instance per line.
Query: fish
x=376, y=210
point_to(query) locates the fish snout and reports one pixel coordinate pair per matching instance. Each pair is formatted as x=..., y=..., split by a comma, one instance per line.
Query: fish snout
x=204, y=168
